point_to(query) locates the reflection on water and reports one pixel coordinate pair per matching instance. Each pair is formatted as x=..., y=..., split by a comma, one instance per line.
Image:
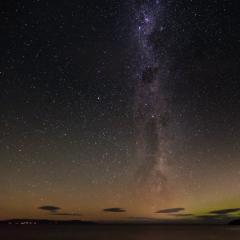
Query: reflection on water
x=135, y=232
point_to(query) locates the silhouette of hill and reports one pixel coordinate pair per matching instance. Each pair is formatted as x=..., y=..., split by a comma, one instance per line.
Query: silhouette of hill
x=44, y=222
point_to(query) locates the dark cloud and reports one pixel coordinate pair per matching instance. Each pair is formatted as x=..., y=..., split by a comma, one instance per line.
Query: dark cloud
x=144, y=219
x=225, y=211
x=68, y=214
x=214, y=218
x=207, y=217
x=114, y=210
x=49, y=208
x=171, y=210
x=54, y=210
x=182, y=215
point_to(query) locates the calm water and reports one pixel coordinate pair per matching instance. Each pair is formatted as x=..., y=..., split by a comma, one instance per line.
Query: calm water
x=120, y=232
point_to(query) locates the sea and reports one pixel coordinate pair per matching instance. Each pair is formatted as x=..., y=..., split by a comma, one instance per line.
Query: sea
x=120, y=232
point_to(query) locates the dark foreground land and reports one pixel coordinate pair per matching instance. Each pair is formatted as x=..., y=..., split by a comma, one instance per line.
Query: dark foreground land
x=120, y=232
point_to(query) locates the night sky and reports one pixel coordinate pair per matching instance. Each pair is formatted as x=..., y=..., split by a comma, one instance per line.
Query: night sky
x=120, y=110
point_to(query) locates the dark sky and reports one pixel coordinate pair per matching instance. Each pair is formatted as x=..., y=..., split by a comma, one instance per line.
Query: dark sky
x=131, y=107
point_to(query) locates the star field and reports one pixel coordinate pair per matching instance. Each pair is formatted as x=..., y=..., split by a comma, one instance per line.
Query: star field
x=117, y=110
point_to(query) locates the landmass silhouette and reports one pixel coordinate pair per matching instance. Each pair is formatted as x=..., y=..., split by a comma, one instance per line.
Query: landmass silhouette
x=45, y=222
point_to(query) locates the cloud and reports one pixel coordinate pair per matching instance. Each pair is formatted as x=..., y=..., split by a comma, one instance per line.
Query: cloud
x=225, y=211
x=171, y=210
x=215, y=218
x=54, y=210
x=68, y=214
x=143, y=219
x=207, y=216
x=115, y=210
x=49, y=208
x=182, y=215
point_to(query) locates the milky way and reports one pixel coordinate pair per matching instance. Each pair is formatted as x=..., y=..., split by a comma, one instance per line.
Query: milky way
x=152, y=101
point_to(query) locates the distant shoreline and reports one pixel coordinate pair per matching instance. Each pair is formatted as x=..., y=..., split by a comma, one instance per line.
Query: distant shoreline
x=27, y=222
x=45, y=222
